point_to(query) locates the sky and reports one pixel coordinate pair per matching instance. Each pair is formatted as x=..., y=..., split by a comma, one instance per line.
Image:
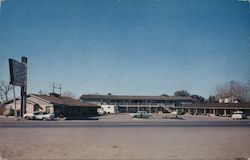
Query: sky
x=127, y=47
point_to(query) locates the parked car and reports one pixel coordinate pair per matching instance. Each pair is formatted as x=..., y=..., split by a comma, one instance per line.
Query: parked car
x=100, y=111
x=29, y=116
x=176, y=112
x=238, y=115
x=39, y=115
x=141, y=114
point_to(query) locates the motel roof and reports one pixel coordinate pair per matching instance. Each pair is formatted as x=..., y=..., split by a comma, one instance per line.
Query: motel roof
x=61, y=100
x=123, y=97
x=240, y=105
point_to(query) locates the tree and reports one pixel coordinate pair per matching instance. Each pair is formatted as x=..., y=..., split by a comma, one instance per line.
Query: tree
x=181, y=93
x=198, y=98
x=211, y=98
x=233, y=89
x=4, y=91
x=68, y=94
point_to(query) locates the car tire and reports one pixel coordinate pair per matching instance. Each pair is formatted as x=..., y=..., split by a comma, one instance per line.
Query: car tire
x=27, y=118
x=44, y=119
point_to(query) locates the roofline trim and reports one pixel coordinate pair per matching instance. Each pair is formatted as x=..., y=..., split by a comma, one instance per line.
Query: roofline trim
x=32, y=95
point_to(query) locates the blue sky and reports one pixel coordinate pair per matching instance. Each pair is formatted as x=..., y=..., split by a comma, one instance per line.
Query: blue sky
x=131, y=47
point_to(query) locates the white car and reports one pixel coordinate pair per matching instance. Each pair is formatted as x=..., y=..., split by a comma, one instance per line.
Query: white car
x=141, y=114
x=238, y=115
x=100, y=111
x=176, y=112
x=39, y=115
x=29, y=116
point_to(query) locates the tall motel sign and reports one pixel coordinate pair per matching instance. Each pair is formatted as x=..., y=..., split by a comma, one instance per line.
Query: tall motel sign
x=18, y=77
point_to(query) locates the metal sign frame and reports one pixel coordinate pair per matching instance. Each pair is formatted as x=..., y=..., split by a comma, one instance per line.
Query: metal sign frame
x=17, y=73
x=18, y=76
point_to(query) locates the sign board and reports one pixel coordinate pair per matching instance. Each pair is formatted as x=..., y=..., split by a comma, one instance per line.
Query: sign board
x=17, y=73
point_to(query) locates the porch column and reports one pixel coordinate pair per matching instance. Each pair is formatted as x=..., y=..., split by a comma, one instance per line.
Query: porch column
x=214, y=111
x=204, y=111
x=225, y=112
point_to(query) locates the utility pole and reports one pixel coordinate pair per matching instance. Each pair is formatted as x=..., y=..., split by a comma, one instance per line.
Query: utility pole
x=53, y=88
x=231, y=90
x=60, y=88
x=56, y=87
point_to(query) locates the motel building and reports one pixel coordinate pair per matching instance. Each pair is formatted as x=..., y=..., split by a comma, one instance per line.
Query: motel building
x=131, y=104
x=217, y=109
x=154, y=104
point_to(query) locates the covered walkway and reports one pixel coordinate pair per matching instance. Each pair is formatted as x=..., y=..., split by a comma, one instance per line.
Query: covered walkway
x=219, y=109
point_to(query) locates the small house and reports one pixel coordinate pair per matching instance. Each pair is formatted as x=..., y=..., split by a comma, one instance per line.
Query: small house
x=54, y=103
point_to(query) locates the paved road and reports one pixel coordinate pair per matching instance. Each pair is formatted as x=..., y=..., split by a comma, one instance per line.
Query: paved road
x=133, y=139
x=141, y=124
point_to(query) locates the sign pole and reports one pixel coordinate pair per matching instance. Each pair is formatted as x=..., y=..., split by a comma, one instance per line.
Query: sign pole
x=14, y=101
x=24, y=88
